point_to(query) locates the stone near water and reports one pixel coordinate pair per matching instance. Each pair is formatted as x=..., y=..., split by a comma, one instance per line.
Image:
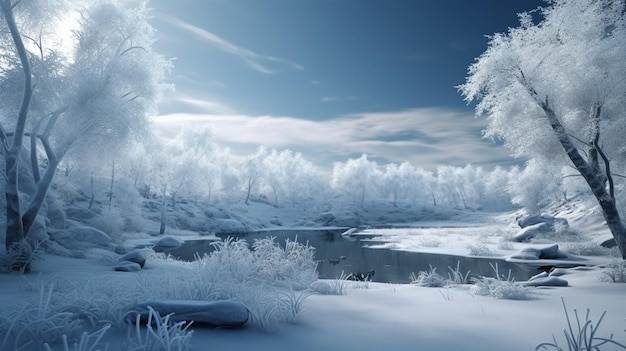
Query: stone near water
x=168, y=242
x=127, y=266
x=222, y=313
x=532, y=231
x=136, y=256
x=546, y=281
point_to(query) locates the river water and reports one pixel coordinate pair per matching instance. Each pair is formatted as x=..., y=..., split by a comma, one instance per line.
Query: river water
x=337, y=255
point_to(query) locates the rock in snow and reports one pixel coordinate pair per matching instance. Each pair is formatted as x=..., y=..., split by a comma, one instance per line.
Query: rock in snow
x=546, y=253
x=545, y=281
x=127, y=266
x=136, y=256
x=532, y=231
x=168, y=242
x=80, y=237
x=222, y=313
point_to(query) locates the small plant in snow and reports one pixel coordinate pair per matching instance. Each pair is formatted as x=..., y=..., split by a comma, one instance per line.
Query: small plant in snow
x=614, y=272
x=160, y=335
x=88, y=342
x=480, y=249
x=455, y=276
x=291, y=303
x=580, y=337
x=38, y=322
x=336, y=286
x=430, y=279
x=22, y=255
x=429, y=241
x=501, y=287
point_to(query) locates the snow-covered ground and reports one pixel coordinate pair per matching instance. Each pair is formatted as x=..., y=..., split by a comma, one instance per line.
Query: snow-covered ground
x=375, y=316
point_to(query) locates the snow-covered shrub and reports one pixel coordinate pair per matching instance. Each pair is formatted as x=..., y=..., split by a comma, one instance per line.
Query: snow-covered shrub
x=588, y=248
x=501, y=287
x=37, y=322
x=480, y=249
x=159, y=335
x=581, y=335
x=614, y=272
x=22, y=255
x=429, y=241
x=430, y=279
x=110, y=222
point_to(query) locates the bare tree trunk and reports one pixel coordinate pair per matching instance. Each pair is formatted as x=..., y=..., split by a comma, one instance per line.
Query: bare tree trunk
x=112, y=183
x=163, y=213
x=15, y=228
x=588, y=171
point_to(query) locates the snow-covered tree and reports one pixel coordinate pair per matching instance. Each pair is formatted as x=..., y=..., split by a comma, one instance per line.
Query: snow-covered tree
x=90, y=90
x=554, y=88
x=535, y=186
x=356, y=179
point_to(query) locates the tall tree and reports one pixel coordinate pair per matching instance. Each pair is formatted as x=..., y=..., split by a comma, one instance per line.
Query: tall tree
x=92, y=90
x=554, y=88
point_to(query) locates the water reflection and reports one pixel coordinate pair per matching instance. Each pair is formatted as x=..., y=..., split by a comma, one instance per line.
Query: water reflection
x=337, y=255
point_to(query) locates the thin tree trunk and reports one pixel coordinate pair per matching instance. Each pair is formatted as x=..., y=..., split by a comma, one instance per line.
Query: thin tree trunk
x=111, y=187
x=596, y=184
x=15, y=227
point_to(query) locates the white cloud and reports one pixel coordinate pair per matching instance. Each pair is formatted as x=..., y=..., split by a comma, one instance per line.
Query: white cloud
x=260, y=63
x=424, y=137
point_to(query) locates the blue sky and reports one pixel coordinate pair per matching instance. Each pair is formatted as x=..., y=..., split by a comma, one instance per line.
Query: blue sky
x=332, y=78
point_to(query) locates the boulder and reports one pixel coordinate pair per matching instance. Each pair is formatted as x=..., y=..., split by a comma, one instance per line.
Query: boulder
x=557, y=272
x=528, y=253
x=530, y=220
x=221, y=313
x=136, y=256
x=551, y=252
x=168, y=242
x=79, y=213
x=127, y=266
x=81, y=237
x=229, y=226
x=532, y=231
x=546, y=281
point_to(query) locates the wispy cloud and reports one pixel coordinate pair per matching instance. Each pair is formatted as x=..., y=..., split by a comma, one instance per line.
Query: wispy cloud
x=424, y=137
x=260, y=63
x=339, y=98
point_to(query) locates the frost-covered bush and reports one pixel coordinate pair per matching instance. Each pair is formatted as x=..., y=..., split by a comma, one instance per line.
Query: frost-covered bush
x=480, y=249
x=614, y=272
x=37, y=322
x=588, y=248
x=501, y=287
x=233, y=262
x=430, y=279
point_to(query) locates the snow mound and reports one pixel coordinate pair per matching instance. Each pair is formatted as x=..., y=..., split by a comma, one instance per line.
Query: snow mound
x=223, y=313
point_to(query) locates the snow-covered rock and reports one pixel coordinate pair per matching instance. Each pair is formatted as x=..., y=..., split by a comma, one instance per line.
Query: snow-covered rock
x=127, y=266
x=79, y=213
x=532, y=231
x=81, y=237
x=228, y=226
x=223, y=313
x=530, y=220
x=168, y=242
x=545, y=281
x=136, y=256
x=551, y=252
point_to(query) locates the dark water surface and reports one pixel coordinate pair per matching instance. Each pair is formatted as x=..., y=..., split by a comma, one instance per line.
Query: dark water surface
x=337, y=254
